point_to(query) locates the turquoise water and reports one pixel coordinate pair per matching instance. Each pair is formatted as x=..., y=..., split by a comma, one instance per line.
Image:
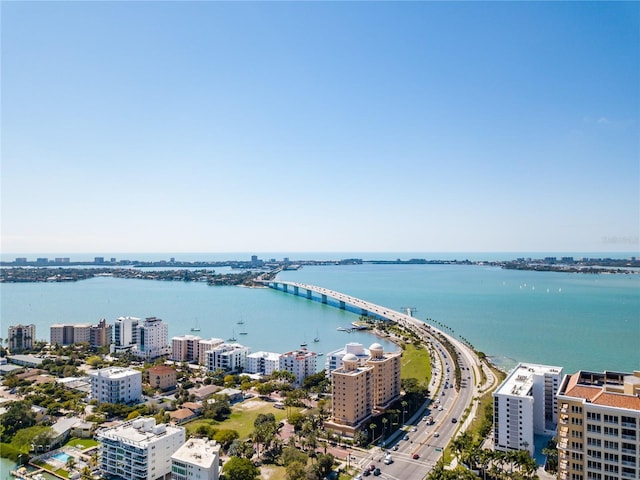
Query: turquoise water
x=61, y=456
x=572, y=320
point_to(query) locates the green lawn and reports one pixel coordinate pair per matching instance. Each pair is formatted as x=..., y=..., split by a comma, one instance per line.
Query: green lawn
x=241, y=419
x=82, y=443
x=416, y=363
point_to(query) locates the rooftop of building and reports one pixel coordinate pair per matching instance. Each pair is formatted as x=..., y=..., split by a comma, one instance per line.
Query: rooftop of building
x=198, y=451
x=115, y=372
x=161, y=370
x=58, y=325
x=140, y=432
x=612, y=389
x=265, y=355
x=519, y=382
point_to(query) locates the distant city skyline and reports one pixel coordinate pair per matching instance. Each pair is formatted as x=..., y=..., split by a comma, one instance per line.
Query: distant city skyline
x=320, y=127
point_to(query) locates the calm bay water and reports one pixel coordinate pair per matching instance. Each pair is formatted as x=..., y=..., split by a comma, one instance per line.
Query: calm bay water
x=572, y=320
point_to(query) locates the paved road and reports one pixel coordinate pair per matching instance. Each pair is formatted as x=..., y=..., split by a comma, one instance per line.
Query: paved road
x=427, y=442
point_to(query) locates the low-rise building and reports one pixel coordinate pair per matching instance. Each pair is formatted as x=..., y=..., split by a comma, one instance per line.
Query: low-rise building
x=161, y=377
x=116, y=385
x=197, y=459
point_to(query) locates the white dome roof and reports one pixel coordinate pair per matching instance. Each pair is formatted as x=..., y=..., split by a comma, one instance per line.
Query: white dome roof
x=349, y=357
x=375, y=346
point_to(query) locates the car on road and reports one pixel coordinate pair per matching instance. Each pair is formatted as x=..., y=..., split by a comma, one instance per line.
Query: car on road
x=414, y=429
x=395, y=448
x=376, y=472
x=436, y=434
x=416, y=456
x=453, y=420
x=366, y=473
x=406, y=437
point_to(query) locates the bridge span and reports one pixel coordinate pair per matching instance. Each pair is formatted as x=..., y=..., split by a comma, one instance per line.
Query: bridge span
x=343, y=301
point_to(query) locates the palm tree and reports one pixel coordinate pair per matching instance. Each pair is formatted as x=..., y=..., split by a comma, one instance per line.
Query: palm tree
x=385, y=420
x=404, y=409
x=373, y=431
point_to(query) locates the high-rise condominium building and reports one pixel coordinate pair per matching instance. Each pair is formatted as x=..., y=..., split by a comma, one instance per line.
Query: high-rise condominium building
x=185, y=348
x=116, y=385
x=228, y=357
x=352, y=390
x=301, y=363
x=101, y=335
x=197, y=459
x=334, y=359
x=139, y=449
x=70, y=333
x=21, y=337
x=362, y=387
x=263, y=363
x=525, y=405
x=599, y=426
x=153, y=339
x=125, y=333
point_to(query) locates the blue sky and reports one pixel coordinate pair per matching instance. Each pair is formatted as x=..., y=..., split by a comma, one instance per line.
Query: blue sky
x=322, y=126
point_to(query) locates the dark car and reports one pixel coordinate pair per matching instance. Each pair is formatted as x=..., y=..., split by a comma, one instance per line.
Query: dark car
x=366, y=473
x=416, y=456
x=453, y=420
x=377, y=472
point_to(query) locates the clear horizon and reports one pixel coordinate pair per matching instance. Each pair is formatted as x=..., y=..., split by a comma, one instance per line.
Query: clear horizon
x=320, y=126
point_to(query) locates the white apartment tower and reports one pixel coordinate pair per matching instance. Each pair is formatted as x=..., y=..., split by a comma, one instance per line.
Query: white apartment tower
x=264, y=363
x=301, y=363
x=525, y=405
x=152, y=339
x=116, y=385
x=139, y=449
x=125, y=333
x=204, y=346
x=228, y=357
x=334, y=359
x=198, y=459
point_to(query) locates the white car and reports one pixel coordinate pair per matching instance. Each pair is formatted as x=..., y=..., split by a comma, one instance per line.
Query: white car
x=436, y=434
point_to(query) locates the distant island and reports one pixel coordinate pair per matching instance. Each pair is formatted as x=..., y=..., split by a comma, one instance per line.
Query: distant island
x=252, y=273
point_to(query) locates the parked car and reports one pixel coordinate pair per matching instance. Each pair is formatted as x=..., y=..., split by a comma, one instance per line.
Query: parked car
x=377, y=472
x=453, y=420
x=416, y=456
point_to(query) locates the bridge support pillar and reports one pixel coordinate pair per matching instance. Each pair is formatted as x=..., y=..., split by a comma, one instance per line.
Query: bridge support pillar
x=285, y=287
x=364, y=313
x=342, y=305
x=309, y=294
x=324, y=299
x=295, y=290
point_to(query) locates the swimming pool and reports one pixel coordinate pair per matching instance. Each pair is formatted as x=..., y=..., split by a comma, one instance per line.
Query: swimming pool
x=63, y=457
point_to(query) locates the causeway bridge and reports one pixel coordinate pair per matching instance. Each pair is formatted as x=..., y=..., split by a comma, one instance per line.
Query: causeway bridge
x=344, y=302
